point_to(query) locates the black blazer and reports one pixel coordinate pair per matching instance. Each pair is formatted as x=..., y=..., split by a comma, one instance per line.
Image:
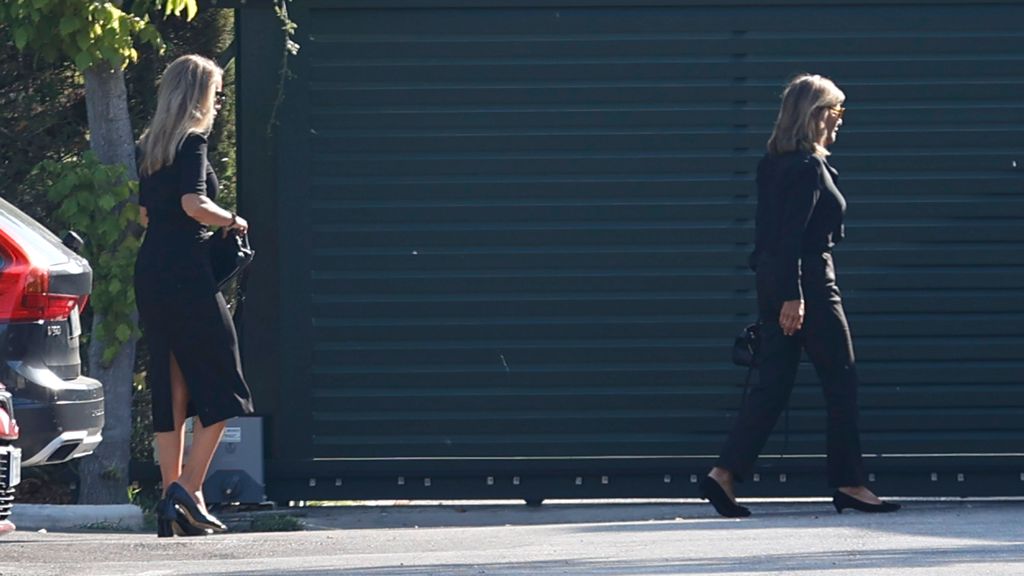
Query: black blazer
x=799, y=211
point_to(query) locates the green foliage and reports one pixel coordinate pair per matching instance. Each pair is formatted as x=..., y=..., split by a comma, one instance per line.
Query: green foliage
x=177, y=6
x=94, y=200
x=288, y=26
x=42, y=115
x=275, y=523
x=88, y=32
x=291, y=47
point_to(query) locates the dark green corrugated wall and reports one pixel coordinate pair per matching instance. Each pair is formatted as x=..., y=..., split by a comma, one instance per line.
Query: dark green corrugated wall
x=517, y=232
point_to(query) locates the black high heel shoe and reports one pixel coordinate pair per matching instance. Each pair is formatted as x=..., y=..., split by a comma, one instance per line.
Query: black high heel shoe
x=842, y=501
x=169, y=522
x=166, y=516
x=713, y=492
x=191, y=512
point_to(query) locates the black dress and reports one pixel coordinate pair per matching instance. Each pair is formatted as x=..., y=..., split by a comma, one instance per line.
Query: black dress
x=180, y=308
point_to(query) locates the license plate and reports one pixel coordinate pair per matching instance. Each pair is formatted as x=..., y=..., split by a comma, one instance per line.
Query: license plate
x=76, y=324
x=14, y=468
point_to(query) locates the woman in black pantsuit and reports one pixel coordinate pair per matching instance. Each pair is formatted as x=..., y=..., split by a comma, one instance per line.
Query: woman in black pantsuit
x=799, y=218
x=194, y=367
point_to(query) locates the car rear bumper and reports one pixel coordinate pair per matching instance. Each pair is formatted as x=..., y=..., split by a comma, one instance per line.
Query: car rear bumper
x=65, y=447
x=59, y=419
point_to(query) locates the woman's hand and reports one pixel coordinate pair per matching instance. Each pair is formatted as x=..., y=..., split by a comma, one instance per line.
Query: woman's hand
x=791, y=318
x=237, y=223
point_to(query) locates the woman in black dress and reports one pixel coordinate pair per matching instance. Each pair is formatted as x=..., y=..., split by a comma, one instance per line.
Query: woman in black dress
x=799, y=218
x=194, y=367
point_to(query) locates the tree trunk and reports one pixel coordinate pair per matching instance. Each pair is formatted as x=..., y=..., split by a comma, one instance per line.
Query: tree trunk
x=110, y=126
x=104, y=474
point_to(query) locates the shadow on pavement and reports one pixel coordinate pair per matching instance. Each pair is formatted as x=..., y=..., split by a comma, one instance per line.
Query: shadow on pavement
x=923, y=518
x=812, y=563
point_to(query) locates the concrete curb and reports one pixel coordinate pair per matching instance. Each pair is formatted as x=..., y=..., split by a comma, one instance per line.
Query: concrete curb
x=77, y=517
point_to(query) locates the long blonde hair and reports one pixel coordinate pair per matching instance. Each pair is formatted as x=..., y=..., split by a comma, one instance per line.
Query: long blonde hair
x=800, y=124
x=184, y=105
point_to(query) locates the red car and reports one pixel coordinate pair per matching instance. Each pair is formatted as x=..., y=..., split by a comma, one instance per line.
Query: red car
x=44, y=285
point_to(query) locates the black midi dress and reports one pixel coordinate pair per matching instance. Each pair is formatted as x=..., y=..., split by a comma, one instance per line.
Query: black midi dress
x=180, y=308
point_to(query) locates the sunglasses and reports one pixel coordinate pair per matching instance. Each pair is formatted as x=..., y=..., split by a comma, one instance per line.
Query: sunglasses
x=219, y=98
x=838, y=110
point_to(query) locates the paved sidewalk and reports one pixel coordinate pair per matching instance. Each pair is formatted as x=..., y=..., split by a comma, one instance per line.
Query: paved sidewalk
x=76, y=516
x=808, y=538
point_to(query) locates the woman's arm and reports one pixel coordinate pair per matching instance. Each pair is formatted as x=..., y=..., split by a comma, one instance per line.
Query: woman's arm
x=205, y=211
x=801, y=196
x=143, y=217
x=192, y=187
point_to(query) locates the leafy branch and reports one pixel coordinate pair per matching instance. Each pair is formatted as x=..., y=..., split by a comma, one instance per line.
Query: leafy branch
x=291, y=48
x=89, y=32
x=94, y=199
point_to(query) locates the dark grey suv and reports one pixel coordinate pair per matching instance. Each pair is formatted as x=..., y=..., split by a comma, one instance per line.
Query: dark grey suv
x=43, y=287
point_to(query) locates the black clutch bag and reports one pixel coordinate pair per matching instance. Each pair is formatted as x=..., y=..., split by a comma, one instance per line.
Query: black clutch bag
x=229, y=255
x=744, y=348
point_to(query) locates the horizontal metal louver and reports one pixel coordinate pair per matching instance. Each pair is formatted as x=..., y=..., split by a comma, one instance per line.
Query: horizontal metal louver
x=527, y=225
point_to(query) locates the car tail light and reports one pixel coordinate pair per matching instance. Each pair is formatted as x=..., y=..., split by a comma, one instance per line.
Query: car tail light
x=25, y=288
x=8, y=427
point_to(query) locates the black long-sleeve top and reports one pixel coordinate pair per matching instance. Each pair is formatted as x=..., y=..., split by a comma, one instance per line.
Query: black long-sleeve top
x=173, y=254
x=799, y=212
x=161, y=192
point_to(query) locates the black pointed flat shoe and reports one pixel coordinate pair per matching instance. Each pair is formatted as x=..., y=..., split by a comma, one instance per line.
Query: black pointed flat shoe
x=712, y=491
x=191, y=511
x=842, y=501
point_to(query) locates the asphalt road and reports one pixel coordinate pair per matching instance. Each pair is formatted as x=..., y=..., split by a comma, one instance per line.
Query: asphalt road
x=925, y=539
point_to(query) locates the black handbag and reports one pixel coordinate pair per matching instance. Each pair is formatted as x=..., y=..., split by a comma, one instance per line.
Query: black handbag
x=744, y=348
x=229, y=254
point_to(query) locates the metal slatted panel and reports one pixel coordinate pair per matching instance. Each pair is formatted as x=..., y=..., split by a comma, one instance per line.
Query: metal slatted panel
x=523, y=229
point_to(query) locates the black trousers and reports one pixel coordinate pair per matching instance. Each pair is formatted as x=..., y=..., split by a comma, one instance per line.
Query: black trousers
x=826, y=338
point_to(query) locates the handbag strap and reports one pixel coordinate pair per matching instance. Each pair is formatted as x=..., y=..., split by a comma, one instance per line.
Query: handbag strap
x=236, y=310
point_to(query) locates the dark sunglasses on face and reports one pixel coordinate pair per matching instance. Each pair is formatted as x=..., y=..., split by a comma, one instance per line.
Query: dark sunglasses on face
x=219, y=98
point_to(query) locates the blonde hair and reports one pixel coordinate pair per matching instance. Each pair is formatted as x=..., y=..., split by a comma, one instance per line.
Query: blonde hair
x=800, y=124
x=184, y=105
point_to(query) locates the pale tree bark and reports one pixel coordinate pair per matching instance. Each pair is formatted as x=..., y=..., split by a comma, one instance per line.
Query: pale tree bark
x=104, y=474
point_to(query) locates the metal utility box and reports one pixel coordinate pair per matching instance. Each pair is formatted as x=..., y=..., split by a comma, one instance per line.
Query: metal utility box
x=236, y=472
